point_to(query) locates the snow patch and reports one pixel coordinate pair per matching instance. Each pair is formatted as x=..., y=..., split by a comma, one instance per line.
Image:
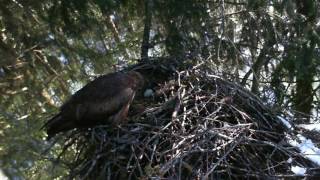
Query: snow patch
x=285, y=122
x=3, y=176
x=300, y=171
x=307, y=148
x=311, y=127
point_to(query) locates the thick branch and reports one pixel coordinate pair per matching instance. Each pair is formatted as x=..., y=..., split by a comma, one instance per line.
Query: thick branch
x=146, y=31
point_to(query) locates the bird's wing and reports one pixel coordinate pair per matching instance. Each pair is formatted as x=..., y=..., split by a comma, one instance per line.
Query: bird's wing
x=113, y=104
x=102, y=88
x=102, y=97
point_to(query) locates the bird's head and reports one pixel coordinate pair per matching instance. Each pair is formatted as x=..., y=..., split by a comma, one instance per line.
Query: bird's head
x=138, y=79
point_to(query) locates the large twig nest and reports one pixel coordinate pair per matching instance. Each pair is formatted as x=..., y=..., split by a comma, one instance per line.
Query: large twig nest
x=198, y=126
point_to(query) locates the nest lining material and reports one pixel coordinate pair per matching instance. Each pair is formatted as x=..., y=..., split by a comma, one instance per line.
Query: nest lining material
x=201, y=127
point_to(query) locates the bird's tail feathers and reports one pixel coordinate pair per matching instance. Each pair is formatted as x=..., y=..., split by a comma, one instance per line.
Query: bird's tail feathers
x=56, y=125
x=52, y=121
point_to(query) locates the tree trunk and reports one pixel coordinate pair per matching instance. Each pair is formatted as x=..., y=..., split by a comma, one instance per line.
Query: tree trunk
x=146, y=31
x=305, y=68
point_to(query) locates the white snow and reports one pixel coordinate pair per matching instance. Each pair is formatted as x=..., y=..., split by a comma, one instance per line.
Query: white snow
x=311, y=127
x=246, y=52
x=307, y=148
x=2, y=175
x=298, y=170
x=285, y=122
x=280, y=47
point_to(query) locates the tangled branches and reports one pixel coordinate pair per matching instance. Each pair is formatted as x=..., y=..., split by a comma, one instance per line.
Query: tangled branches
x=197, y=126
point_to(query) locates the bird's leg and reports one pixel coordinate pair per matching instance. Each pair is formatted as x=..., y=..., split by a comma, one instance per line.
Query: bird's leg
x=123, y=113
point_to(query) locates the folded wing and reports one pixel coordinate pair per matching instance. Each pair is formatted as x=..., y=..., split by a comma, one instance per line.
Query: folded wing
x=105, y=100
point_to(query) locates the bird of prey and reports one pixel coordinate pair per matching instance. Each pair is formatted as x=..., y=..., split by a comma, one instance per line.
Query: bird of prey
x=104, y=100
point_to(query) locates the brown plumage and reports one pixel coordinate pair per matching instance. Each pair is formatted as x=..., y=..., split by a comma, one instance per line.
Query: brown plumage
x=104, y=100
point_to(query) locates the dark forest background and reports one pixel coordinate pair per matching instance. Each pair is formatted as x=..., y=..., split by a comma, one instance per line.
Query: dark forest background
x=51, y=48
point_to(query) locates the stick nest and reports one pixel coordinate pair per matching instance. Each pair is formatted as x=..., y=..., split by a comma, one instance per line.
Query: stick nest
x=197, y=126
